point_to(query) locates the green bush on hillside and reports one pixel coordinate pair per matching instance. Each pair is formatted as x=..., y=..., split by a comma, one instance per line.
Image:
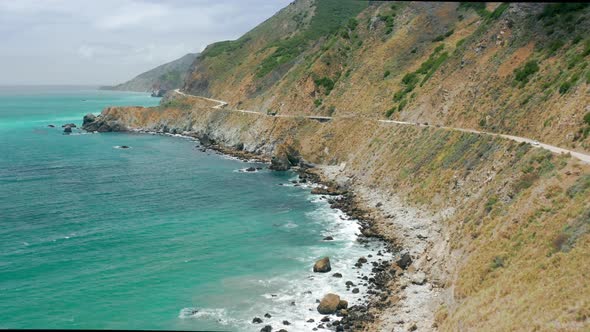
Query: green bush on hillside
x=523, y=74
x=564, y=87
x=478, y=7
x=325, y=82
x=330, y=16
x=555, y=9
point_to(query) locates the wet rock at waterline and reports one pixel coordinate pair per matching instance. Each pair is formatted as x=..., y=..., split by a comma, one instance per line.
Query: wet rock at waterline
x=322, y=265
x=329, y=304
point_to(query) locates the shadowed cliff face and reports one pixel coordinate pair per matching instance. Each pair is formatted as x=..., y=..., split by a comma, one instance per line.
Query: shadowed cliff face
x=445, y=63
x=511, y=249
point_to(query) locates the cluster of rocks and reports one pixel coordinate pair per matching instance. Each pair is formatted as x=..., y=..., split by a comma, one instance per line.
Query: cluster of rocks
x=67, y=127
x=99, y=124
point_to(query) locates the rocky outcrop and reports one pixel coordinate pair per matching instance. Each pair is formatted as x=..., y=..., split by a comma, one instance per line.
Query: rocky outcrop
x=101, y=124
x=284, y=158
x=322, y=265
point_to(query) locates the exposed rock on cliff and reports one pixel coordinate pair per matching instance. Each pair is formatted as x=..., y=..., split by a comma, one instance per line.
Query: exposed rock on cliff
x=101, y=124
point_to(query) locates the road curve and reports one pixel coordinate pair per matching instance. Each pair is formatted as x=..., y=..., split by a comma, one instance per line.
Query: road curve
x=555, y=149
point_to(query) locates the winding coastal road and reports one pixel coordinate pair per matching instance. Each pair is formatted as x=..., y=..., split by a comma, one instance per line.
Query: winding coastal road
x=585, y=158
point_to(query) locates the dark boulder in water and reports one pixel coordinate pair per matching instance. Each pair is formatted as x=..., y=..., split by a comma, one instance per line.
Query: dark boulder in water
x=322, y=265
x=256, y=320
x=250, y=169
x=337, y=275
x=51, y=126
x=328, y=238
x=124, y=147
x=67, y=130
x=71, y=125
x=267, y=328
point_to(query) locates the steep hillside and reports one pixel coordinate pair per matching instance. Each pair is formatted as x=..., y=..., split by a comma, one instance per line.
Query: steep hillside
x=509, y=68
x=168, y=76
x=500, y=230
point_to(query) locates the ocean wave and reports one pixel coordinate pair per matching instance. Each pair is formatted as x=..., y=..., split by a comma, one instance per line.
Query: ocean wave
x=292, y=296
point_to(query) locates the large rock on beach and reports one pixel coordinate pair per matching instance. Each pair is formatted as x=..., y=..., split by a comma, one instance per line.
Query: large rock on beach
x=322, y=265
x=329, y=304
x=404, y=260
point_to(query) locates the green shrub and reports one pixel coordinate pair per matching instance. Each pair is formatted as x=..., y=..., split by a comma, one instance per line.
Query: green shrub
x=401, y=105
x=352, y=24
x=386, y=73
x=329, y=17
x=325, y=82
x=478, y=7
x=449, y=33
x=587, y=118
x=524, y=73
x=438, y=38
x=318, y=102
x=410, y=79
x=564, y=87
x=555, y=45
x=498, y=262
x=554, y=9
x=490, y=203
x=574, y=61
x=390, y=111
x=499, y=11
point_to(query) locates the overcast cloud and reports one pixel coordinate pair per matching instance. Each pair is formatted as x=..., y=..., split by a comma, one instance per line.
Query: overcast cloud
x=110, y=41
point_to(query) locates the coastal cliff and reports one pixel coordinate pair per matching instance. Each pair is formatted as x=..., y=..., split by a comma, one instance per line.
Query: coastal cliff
x=484, y=218
x=497, y=230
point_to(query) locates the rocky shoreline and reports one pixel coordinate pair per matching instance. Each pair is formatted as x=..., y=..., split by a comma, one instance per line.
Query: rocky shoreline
x=384, y=272
x=384, y=284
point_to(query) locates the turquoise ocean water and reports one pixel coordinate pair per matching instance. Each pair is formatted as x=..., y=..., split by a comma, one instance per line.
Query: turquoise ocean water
x=158, y=236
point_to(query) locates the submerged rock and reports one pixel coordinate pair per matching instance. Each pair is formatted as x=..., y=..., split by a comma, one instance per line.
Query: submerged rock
x=329, y=304
x=322, y=265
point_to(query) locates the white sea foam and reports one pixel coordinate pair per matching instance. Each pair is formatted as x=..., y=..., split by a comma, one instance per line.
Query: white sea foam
x=244, y=170
x=217, y=315
x=292, y=296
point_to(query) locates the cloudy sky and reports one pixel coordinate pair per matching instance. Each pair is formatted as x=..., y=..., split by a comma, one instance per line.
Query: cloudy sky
x=100, y=42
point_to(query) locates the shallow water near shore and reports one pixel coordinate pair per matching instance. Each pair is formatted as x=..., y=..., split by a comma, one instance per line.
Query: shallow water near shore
x=157, y=236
